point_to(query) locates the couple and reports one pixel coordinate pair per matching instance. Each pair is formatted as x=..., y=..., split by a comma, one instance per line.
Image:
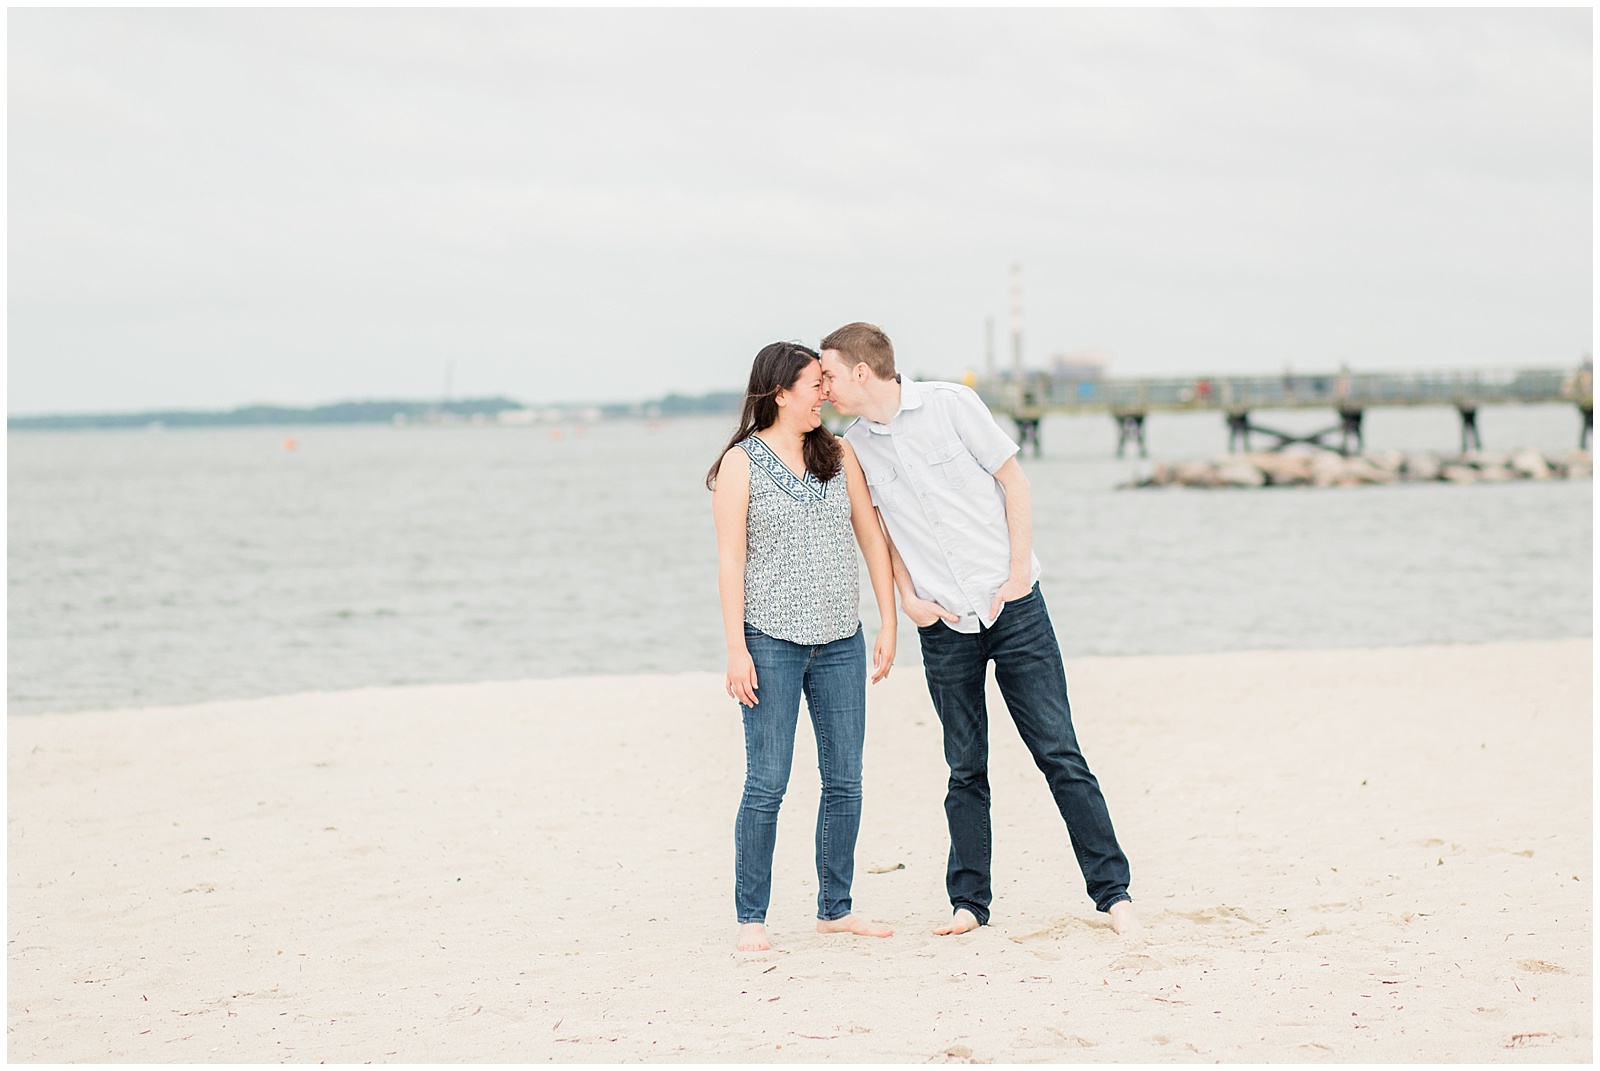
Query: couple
x=927, y=483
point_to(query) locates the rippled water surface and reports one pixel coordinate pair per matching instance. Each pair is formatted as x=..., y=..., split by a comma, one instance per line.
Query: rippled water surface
x=190, y=565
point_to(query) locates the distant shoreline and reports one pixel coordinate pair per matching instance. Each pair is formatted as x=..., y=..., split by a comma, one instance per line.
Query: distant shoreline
x=495, y=410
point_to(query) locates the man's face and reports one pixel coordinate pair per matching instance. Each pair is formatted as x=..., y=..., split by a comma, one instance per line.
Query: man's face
x=840, y=383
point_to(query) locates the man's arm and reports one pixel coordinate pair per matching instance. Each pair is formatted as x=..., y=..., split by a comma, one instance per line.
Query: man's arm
x=1019, y=526
x=922, y=612
x=997, y=454
x=874, y=548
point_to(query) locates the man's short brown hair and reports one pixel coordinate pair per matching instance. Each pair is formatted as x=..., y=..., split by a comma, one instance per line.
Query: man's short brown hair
x=866, y=344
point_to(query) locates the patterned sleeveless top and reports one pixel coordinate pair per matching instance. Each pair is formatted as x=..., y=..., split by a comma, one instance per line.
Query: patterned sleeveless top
x=801, y=581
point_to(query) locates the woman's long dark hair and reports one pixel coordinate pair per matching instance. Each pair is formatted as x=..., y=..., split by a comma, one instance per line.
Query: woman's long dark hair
x=777, y=367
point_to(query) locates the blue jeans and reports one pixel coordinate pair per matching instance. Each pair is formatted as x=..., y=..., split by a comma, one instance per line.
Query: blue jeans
x=833, y=678
x=1029, y=671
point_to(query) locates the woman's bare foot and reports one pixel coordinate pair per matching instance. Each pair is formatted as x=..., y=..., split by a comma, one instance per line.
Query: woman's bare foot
x=753, y=937
x=960, y=922
x=1123, y=920
x=854, y=924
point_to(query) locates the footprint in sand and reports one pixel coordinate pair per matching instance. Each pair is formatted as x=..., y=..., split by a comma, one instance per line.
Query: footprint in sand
x=1060, y=928
x=1205, y=916
x=955, y=1054
x=1137, y=961
x=1539, y=966
x=1072, y=1039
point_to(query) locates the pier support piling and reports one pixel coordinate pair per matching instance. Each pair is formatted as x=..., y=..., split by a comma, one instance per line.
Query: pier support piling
x=1587, y=434
x=1350, y=427
x=1239, y=430
x=1130, y=428
x=1470, y=440
x=1027, y=432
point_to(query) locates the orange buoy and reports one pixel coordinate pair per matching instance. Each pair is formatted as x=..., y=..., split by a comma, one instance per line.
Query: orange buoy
x=555, y=435
x=290, y=444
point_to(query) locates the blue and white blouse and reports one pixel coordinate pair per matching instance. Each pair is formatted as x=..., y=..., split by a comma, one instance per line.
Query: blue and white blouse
x=801, y=580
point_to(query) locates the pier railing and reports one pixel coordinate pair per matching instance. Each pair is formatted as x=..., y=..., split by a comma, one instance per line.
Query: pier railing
x=1348, y=393
x=1045, y=393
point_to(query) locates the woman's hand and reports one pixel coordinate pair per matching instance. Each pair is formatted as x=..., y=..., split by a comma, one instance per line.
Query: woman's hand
x=924, y=612
x=741, y=680
x=883, y=653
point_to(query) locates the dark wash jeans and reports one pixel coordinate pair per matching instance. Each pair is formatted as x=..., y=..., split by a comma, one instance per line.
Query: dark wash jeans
x=833, y=679
x=1029, y=671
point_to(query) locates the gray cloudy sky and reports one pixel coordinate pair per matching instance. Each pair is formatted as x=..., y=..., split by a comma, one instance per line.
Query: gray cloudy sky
x=218, y=207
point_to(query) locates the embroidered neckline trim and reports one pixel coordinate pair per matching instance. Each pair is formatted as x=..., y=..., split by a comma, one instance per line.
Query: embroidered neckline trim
x=800, y=489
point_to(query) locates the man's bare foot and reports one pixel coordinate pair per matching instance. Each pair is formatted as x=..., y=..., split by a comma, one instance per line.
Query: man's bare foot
x=960, y=922
x=854, y=924
x=1123, y=920
x=753, y=937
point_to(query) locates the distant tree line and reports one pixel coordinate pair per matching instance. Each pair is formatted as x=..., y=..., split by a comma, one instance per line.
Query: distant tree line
x=720, y=401
x=369, y=413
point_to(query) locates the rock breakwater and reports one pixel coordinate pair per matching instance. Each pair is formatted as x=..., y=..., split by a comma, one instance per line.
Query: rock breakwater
x=1323, y=469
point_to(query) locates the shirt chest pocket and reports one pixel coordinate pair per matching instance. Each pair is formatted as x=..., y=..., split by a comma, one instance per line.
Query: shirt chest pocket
x=885, y=489
x=952, y=464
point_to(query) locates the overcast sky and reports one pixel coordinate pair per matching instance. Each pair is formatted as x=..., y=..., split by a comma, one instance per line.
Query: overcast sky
x=218, y=207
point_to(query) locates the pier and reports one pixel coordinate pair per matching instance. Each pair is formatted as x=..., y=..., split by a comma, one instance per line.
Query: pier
x=1345, y=394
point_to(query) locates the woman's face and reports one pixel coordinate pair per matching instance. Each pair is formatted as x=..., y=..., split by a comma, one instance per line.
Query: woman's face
x=800, y=405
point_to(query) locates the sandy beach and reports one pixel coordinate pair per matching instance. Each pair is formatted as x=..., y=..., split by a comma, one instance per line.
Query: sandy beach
x=1364, y=855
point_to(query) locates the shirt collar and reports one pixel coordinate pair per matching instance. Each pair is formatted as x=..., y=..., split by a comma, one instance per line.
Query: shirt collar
x=910, y=398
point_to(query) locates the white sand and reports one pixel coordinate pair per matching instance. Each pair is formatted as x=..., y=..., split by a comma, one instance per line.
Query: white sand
x=1358, y=855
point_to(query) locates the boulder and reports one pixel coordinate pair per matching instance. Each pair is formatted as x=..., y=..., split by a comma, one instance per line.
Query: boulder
x=1391, y=461
x=1158, y=475
x=1455, y=472
x=1575, y=464
x=1282, y=469
x=1239, y=474
x=1360, y=470
x=1326, y=469
x=1496, y=473
x=1486, y=459
x=1195, y=474
x=1421, y=467
x=1530, y=464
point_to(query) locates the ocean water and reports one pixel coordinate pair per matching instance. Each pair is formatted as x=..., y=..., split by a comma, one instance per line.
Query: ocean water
x=189, y=565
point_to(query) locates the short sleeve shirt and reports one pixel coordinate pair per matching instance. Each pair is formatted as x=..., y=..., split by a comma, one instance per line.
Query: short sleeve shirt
x=930, y=470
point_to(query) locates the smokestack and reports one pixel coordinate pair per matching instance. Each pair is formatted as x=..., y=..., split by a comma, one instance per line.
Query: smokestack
x=1016, y=321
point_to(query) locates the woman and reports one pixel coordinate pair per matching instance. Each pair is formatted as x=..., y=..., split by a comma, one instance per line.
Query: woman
x=786, y=494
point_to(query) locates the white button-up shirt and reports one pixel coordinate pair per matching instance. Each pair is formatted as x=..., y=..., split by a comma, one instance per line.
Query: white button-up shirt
x=931, y=474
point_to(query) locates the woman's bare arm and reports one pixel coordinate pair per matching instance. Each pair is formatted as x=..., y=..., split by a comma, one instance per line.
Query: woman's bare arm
x=730, y=507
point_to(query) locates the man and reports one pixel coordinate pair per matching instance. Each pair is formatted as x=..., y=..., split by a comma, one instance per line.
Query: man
x=959, y=514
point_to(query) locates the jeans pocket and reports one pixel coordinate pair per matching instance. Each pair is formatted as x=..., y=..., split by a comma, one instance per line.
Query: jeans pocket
x=1033, y=593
